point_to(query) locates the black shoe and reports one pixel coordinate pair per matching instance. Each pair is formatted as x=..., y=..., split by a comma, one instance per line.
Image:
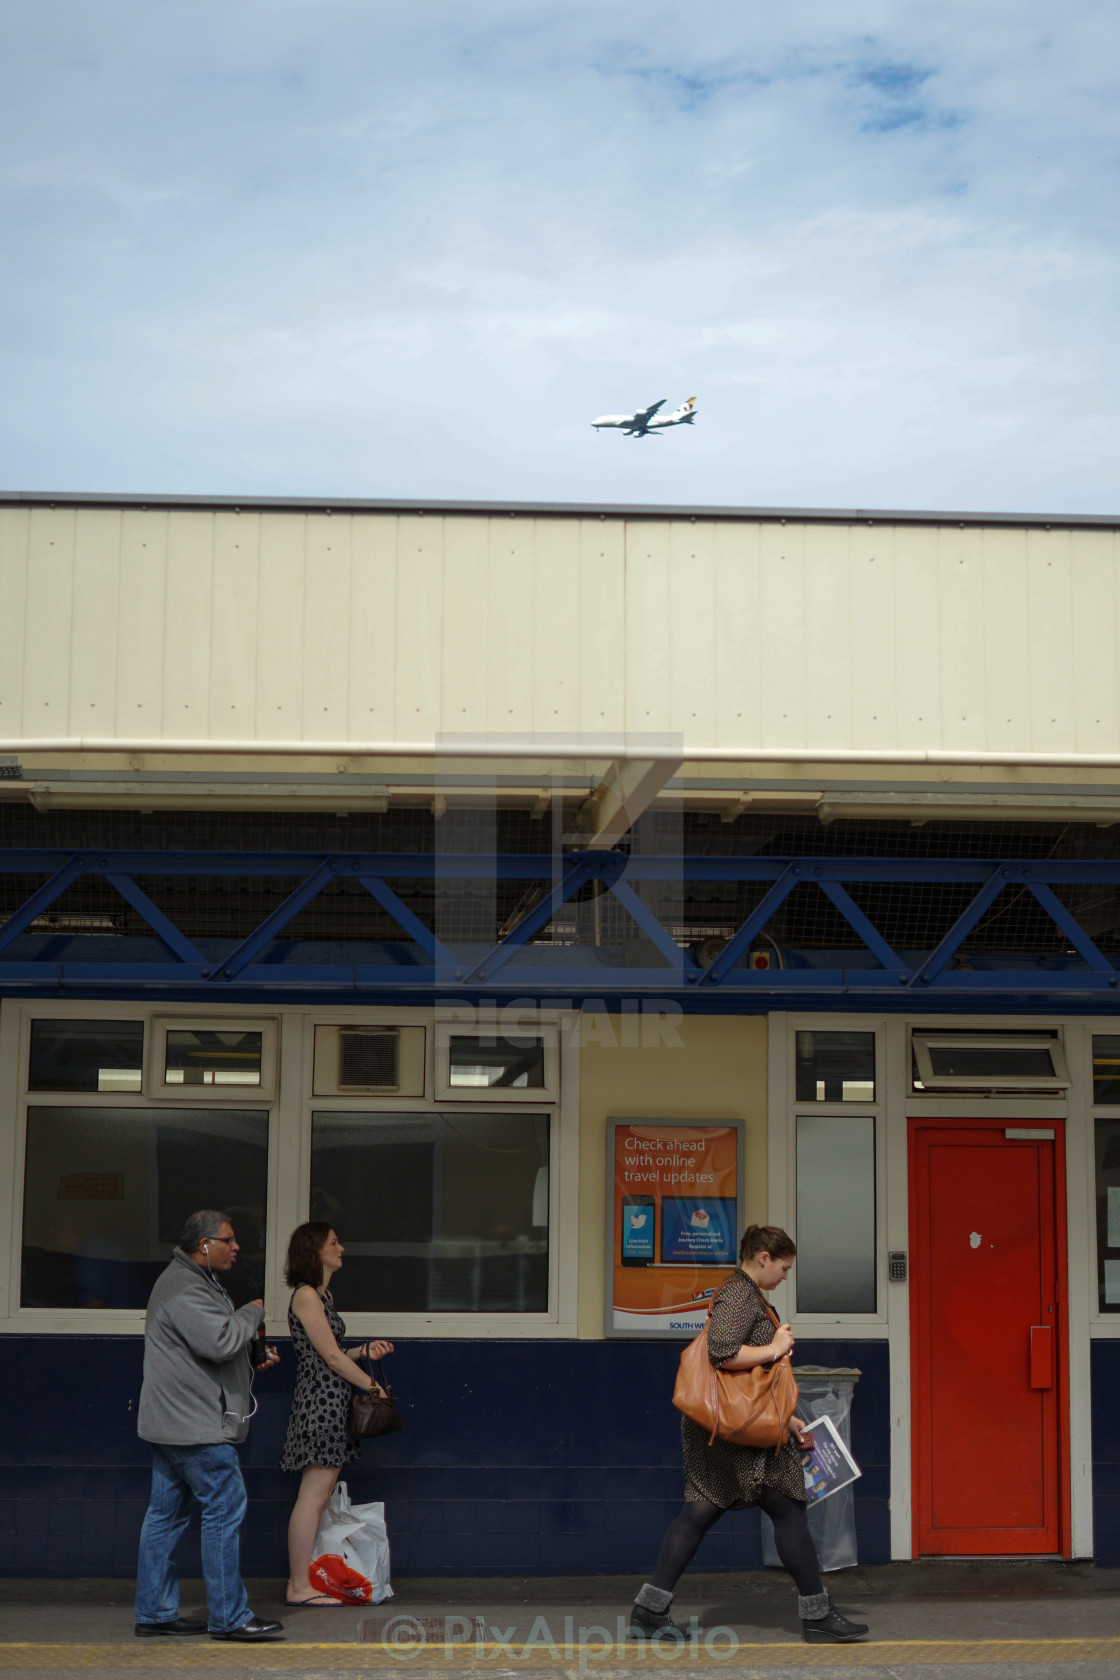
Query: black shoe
x=645, y=1622
x=835, y=1628
x=254, y=1628
x=151, y=1630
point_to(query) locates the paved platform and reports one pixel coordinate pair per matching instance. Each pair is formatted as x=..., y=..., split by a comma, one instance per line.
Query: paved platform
x=971, y=1621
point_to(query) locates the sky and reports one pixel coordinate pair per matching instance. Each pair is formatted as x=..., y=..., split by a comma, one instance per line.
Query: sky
x=342, y=248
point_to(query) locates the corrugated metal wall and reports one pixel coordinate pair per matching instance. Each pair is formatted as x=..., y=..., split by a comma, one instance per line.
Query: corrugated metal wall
x=282, y=626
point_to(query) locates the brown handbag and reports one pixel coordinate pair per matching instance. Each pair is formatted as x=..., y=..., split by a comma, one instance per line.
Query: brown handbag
x=373, y=1413
x=750, y=1408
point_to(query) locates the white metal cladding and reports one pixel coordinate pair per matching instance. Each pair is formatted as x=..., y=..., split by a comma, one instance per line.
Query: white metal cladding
x=164, y=625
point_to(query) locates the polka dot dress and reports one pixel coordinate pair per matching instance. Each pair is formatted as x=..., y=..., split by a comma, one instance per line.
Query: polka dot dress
x=318, y=1431
x=731, y=1476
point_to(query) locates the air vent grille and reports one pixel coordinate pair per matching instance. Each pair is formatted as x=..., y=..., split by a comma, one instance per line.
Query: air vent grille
x=369, y=1059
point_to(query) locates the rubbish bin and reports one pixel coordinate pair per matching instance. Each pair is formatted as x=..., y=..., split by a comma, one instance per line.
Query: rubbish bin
x=826, y=1391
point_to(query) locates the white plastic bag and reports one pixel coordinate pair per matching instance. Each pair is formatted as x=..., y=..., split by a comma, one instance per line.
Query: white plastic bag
x=350, y=1557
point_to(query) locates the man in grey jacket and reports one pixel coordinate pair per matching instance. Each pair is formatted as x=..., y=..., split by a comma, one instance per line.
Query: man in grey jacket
x=195, y=1405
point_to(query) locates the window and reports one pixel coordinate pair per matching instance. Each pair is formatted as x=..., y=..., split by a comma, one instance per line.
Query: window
x=512, y=1063
x=439, y=1212
x=212, y=1059
x=978, y=1061
x=106, y=1192
x=835, y=1067
x=1107, y=1141
x=835, y=1270
x=495, y=1066
x=197, y=1057
x=86, y=1055
x=1106, y=1068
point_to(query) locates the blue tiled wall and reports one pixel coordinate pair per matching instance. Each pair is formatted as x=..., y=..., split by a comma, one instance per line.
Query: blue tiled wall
x=517, y=1457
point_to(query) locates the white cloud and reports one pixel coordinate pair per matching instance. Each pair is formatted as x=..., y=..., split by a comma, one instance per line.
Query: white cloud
x=312, y=246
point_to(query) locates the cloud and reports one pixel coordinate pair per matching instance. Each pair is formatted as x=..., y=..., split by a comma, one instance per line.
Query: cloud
x=313, y=246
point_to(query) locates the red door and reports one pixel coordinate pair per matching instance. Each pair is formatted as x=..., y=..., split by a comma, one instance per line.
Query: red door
x=988, y=1338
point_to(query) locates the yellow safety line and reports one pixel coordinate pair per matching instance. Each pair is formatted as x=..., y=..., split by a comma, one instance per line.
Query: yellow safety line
x=290, y=1654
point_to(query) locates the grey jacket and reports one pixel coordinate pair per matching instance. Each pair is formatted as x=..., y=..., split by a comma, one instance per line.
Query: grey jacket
x=196, y=1360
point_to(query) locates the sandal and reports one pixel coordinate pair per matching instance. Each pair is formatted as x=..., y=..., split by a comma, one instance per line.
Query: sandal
x=319, y=1601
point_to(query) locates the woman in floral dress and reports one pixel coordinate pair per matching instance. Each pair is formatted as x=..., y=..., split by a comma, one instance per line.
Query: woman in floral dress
x=319, y=1441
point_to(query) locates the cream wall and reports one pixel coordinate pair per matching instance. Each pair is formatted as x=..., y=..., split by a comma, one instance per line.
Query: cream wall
x=157, y=625
x=716, y=1070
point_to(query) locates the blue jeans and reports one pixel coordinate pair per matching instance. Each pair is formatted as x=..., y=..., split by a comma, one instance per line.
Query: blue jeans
x=212, y=1475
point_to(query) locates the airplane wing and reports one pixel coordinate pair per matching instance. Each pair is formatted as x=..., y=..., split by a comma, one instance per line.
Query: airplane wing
x=645, y=415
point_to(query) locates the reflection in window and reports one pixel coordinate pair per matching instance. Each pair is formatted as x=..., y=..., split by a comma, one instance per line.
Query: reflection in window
x=980, y=1061
x=197, y=1057
x=86, y=1055
x=438, y=1212
x=107, y=1190
x=1107, y=1142
x=835, y=1067
x=835, y=1269
x=1106, y=1067
x=491, y=1062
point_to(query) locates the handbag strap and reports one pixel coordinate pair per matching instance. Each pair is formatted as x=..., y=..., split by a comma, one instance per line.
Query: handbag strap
x=365, y=1360
x=713, y=1379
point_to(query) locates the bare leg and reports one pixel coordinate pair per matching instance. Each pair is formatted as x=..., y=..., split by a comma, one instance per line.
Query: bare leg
x=315, y=1488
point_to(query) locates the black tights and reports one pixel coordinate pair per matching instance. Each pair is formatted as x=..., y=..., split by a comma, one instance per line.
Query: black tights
x=791, y=1536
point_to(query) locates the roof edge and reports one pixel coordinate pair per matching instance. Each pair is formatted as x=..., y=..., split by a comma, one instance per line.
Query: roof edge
x=558, y=510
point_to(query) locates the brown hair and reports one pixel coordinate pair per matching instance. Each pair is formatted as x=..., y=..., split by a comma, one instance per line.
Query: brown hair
x=766, y=1239
x=303, y=1264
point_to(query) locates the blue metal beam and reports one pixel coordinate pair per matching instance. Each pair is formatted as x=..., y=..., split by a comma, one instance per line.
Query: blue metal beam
x=675, y=955
x=576, y=875
x=859, y=923
x=748, y=988
x=155, y=918
x=961, y=928
x=1076, y=935
x=250, y=968
x=754, y=924
x=65, y=876
x=230, y=967
x=410, y=923
x=543, y=866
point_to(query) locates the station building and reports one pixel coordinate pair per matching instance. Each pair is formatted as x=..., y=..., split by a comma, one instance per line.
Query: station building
x=387, y=863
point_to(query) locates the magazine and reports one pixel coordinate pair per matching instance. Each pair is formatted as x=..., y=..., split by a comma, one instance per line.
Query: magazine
x=829, y=1466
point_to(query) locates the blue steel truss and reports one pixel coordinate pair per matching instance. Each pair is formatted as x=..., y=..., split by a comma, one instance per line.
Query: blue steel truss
x=423, y=966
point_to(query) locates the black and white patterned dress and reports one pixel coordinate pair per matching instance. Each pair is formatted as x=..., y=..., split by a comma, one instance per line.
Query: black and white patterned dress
x=317, y=1428
x=729, y=1475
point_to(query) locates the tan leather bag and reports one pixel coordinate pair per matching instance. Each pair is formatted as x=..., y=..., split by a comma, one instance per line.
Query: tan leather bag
x=751, y=1408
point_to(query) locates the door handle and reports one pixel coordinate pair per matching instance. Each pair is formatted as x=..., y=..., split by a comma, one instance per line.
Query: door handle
x=1042, y=1356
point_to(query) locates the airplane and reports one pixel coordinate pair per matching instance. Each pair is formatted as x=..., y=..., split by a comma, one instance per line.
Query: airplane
x=643, y=424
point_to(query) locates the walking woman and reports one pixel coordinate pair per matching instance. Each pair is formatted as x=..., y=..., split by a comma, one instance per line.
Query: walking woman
x=319, y=1441
x=725, y=1477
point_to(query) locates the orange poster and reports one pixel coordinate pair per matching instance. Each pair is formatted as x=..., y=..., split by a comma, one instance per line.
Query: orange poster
x=675, y=1223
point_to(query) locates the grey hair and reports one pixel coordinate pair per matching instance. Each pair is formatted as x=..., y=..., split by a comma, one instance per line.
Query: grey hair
x=199, y=1227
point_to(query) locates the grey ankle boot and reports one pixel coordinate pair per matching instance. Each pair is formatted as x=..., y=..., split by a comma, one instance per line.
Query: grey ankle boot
x=650, y=1613
x=822, y=1623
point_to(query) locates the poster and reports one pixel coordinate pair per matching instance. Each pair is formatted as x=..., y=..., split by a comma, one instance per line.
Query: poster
x=674, y=1222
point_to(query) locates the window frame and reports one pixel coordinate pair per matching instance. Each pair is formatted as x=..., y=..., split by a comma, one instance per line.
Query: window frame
x=443, y=1089
x=289, y=1151
x=782, y=1189
x=851, y=1111
x=1056, y=1083
x=156, y=1087
x=16, y=1017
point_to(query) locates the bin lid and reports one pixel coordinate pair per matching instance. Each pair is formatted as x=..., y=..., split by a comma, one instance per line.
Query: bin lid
x=828, y=1373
